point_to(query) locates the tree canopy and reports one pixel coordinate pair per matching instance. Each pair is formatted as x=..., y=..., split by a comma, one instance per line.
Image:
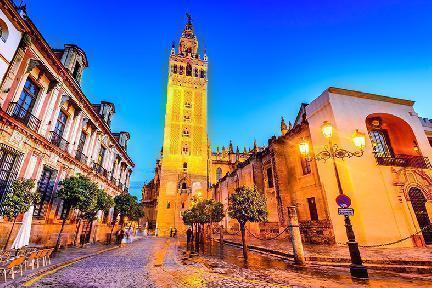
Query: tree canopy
x=247, y=205
x=20, y=198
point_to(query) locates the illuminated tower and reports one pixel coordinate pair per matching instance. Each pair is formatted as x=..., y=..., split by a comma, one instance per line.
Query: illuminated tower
x=185, y=145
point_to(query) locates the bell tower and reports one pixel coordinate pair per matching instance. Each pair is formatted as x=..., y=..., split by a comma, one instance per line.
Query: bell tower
x=185, y=145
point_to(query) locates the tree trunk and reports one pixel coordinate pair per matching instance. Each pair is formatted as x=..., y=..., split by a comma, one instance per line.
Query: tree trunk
x=110, y=236
x=76, y=232
x=197, y=238
x=56, y=248
x=245, y=248
x=10, y=233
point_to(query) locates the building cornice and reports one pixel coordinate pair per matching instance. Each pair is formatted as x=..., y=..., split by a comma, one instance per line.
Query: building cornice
x=42, y=45
x=377, y=97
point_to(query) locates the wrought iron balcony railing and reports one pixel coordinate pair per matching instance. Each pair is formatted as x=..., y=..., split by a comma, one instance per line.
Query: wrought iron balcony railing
x=58, y=140
x=24, y=116
x=81, y=157
x=404, y=161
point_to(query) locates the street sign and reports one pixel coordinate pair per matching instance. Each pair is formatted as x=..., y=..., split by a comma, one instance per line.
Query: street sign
x=346, y=211
x=343, y=201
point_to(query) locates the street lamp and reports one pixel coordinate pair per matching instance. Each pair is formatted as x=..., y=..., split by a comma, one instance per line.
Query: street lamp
x=333, y=151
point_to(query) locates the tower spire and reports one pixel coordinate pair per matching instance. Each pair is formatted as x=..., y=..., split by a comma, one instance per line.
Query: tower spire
x=284, y=128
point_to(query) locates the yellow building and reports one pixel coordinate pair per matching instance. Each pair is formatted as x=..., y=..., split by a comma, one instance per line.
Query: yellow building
x=184, y=162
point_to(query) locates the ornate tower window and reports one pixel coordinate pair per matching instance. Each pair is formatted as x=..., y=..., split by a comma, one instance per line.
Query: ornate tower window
x=181, y=70
x=175, y=69
x=185, y=149
x=186, y=132
x=202, y=73
x=188, y=70
x=196, y=72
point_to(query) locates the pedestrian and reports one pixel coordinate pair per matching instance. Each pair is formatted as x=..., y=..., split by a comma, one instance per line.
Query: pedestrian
x=120, y=236
x=189, y=237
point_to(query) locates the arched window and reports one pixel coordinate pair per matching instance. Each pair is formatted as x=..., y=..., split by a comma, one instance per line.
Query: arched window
x=4, y=32
x=196, y=72
x=181, y=70
x=183, y=205
x=168, y=205
x=184, y=186
x=218, y=173
x=184, y=166
x=186, y=132
x=202, y=73
x=188, y=69
x=185, y=149
x=175, y=69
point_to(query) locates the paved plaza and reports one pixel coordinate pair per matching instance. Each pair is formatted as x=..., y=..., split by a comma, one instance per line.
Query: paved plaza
x=160, y=262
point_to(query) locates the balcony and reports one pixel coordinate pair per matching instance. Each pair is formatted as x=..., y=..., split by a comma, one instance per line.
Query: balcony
x=81, y=157
x=58, y=141
x=404, y=161
x=24, y=116
x=100, y=170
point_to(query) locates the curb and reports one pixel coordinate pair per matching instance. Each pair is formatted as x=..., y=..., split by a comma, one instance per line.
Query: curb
x=31, y=278
x=399, y=266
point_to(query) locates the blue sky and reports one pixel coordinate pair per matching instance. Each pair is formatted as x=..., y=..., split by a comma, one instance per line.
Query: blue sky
x=265, y=58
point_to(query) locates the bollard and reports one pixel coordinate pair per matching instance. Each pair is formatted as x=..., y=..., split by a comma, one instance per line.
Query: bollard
x=295, y=236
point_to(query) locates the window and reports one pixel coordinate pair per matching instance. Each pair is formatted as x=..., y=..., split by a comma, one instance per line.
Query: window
x=312, y=209
x=9, y=164
x=4, y=33
x=380, y=142
x=76, y=71
x=306, y=167
x=175, y=69
x=183, y=205
x=60, y=125
x=81, y=142
x=181, y=70
x=186, y=118
x=196, y=72
x=188, y=70
x=185, y=149
x=101, y=155
x=27, y=98
x=45, y=189
x=202, y=73
x=186, y=132
x=184, y=186
x=188, y=104
x=185, y=166
x=168, y=205
x=218, y=173
x=270, y=177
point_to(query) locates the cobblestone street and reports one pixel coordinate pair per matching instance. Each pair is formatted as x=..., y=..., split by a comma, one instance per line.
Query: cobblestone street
x=157, y=262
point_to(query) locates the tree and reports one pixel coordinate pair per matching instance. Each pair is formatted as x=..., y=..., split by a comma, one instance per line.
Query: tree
x=18, y=201
x=202, y=212
x=125, y=205
x=77, y=192
x=104, y=202
x=247, y=205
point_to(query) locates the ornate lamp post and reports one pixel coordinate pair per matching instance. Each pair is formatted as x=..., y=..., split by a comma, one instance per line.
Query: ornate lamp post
x=332, y=151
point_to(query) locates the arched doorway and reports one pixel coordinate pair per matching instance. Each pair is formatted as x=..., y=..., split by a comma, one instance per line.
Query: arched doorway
x=418, y=202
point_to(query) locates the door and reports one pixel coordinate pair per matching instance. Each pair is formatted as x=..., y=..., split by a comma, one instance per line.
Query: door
x=8, y=170
x=418, y=202
x=45, y=188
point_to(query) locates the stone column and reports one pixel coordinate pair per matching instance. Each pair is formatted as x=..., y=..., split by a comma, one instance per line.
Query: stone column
x=75, y=133
x=295, y=236
x=45, y=119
